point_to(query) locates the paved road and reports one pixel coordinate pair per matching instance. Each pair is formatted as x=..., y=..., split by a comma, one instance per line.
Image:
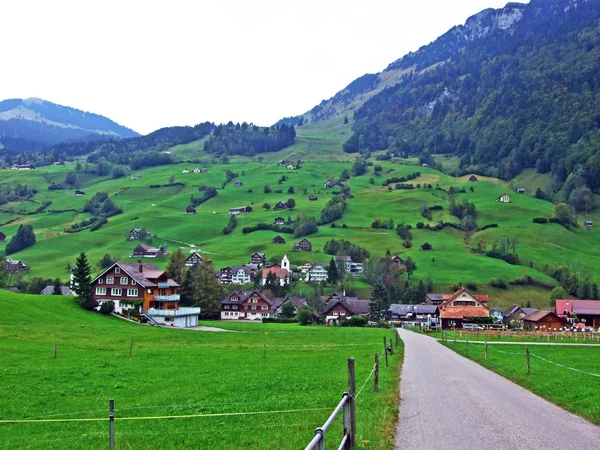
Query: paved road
x=449, y=402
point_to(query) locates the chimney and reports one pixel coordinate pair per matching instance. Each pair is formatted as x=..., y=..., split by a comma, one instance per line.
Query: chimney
x=140, y=265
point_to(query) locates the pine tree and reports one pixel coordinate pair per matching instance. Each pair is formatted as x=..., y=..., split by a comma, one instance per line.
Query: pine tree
x=207, y=291
x=57, y=287
x=186, y=293
x=176, y=265
x=380, y=302
x=332, y=272
x=82, y=282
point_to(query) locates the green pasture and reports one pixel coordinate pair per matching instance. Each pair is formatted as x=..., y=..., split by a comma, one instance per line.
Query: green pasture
x=176, y=372
x=574, y=391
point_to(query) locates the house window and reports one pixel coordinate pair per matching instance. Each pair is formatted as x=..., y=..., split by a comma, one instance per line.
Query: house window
x=342, y=313
x=265, y=315
x=124, y=280
x=110, y=280
x=264, y=307
x=133, y=283
x=132, y=292
x=100, y=281
x=117, y=270
x=335, y=313
x=226, y=306
x=253, y=306
x=234, y=307
x=100, y=291
x=116, y=292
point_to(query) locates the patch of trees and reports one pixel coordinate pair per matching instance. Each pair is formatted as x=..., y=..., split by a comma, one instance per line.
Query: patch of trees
x=304, y=226
x=16, y=193
x=101, y=204
x=156, y=186
x=383, y=223
x=209, y=193
x=80, y=226
x=248, y=139
x=408, y=177
x=231, y=225
x=403, y=232
x=506, y=250
x=346, y=248
x=24, y=238
x=359, y=167
x=404, y=186
x=289, y=229
x=396, y=279
x=578, y=284
x=333, y=210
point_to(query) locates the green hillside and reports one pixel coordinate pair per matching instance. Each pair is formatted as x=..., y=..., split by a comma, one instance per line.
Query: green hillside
x=175, y=372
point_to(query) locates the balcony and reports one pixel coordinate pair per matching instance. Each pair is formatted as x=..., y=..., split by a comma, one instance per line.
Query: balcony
x=167, y=298
x=163, y=285
x=173, y=312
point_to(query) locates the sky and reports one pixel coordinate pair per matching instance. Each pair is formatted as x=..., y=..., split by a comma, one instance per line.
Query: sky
x=152, y=64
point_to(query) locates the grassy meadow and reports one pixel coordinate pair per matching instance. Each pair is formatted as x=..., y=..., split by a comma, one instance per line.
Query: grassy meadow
x=318, y=145
x=574, y=391
x=175, y=372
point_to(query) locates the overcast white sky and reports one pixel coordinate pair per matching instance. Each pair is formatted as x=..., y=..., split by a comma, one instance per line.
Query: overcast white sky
x=151, y=64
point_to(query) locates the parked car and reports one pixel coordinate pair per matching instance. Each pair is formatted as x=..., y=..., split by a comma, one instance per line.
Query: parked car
x=472, y=327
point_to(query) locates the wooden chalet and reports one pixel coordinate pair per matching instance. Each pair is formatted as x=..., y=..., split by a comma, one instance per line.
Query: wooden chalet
x=418, y=314
x=514, y=315
x=258, y=258
x=312, y=198
x=278, y=240
x=520, y=191
x=138, y=233
x=589, y=223
x=12, y=266
x=280, y=206
x=190, y=209
x=340, y=306
x=472, y=178
x=426, y=247
x=79, y=193
x=146, y=251
x=240, y=210
x=462, y=307
x=279, y=221
x=586, y=311
x=543, y=321
x=297, y=302
x=246, y=305
x=303, y=246
x=194, y=259
x=132, y=284
x=504, y=198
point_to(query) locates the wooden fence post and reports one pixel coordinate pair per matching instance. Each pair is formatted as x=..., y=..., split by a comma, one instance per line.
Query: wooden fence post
x=111, y=423
x=485, y=346
x=376, y=375
x=350, y=407
x=54, y=351
x=386, y=352
x=528, y=362
x=131, y=347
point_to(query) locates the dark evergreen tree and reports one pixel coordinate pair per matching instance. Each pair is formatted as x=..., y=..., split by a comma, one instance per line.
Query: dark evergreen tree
x=332, y=272
x=57, y=287
x=82, y=282
x=380, y=302
x=24, y=238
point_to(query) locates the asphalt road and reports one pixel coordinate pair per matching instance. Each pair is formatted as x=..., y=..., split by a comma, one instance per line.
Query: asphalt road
x=449, y=402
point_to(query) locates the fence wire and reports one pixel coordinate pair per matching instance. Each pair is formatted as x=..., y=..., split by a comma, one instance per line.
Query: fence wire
x=565, y=367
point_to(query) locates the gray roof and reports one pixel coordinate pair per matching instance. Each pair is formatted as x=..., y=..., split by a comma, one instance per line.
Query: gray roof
x=49, y=290
x=144, y=278
x=404, y=310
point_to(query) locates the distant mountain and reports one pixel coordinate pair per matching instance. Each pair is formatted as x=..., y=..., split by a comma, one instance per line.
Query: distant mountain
x=31, y=124
x=512, y=88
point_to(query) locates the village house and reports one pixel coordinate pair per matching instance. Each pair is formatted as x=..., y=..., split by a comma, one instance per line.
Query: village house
x=296, y=302
x=259, y=259
x=290, y=167
x=241, y=274
x=198, y=170
x=146, y=251
x=279, y=221
x=586, y=311
x=64, y=290
x=12, y=266
x=303, y=246
x=194, y=259
x=543, y=321
x=462, y=307
x=416, y=314
x=426, y=247
x=317, y=273
x=281, y=271
x=79, y=192
x=472, y=178
x=22, y=167
x=280, y=206
x=312, y=198
x=131, y=284
x=513, y=315
x=136, y=176
x=331, y=184
x=186, y=170
x=240, y=210
x=246, y=305
x=589, y=223
x=138, y=233
x=339, y=306
x=2, y=236
x=278, y=240
x=190, y=210
x=520, y=191
x=503, y=199
x=397, y=261
x=353, y=268
x=237, y=183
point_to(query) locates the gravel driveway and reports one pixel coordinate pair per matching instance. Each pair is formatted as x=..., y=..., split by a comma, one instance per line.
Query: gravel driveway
x=449, y=402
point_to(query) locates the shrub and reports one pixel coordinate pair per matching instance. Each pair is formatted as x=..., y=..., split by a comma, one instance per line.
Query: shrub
x=107, y=307
x=540, y=220
x=278, y=320
x=471, y=285
x=354, y=321
x=498, y=283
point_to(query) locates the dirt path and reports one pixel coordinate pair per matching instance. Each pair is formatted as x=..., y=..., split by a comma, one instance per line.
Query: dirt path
x=450, y=402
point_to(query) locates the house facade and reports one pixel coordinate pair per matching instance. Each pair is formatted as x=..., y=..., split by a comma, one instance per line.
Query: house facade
x=12, y=266
x=241, y=274
x=240, y=210
x=303, y=246
x=281, y=271
x=246, y=305
x=297, y=303
x=279, y=221
x=190, y=209
x=129, y=285
x=259, y=259
x=339, y=306
x=503, y=199
x=462, y=307
x=543, y=321
x=146, y=251
x=427, y=315
x=587, y=312
x=278, y=240
x=194, y=259
x=317, y=273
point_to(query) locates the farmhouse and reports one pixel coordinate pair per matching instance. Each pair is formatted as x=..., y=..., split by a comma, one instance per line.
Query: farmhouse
x=241, y=274
x=64, y=290
x=2, y=236
x=193, y=260
x=589, y=223
x=22, y=167
x=138, y=233
x=317, y=273
x=503, y=199
x=150, y=252
x=331, y=184
x=259, y=259
x=190, y=210
x=513, y=315
x=462, y=307
x=290, y=167
x=13, y=266
x=237, y=183
x=136, y=176
x=312, y=198
x=543, y=321
x=279, y=221
x=422, y=314
x=339, y=306
x=246, y=305
x=472, y=178
x=303, y=246
x=280, y=205
x=426, y=247
x=186, y=170
x=281, y=272
x=587, y=311
x=79, y=193
x=296, y=302
x=240, y=210
x=520, y=191
x=278, y=240
x=130, y=284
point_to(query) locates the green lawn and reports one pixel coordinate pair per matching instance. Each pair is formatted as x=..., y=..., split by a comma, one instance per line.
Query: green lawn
x=176, y=372
x=572, y=390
